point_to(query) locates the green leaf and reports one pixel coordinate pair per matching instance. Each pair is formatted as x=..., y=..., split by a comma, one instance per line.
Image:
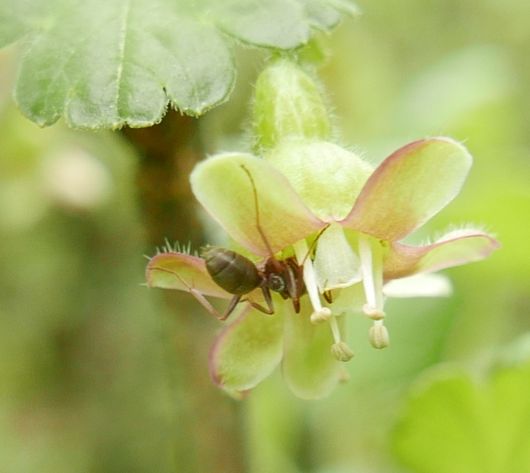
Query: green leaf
x=106, y=64
x=15, y=19
x=452, y=424
x=247, y=351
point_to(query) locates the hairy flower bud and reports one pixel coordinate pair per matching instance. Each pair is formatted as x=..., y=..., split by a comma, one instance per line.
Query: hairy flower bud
x=288, y=103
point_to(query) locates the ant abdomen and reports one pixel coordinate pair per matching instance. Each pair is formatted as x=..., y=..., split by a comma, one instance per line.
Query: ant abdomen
x=233, y=272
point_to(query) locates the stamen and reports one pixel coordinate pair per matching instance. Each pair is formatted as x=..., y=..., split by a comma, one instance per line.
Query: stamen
x=378, y=334
x=320, y=314
x=372, y=272
x=335, y=329
x=339, y=349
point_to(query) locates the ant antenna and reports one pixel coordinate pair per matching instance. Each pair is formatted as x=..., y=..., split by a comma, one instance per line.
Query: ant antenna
x=256, y=206
x=314, y=243
x=258, y=224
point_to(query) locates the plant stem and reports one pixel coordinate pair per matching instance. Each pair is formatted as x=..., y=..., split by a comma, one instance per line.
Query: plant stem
x=209, y=425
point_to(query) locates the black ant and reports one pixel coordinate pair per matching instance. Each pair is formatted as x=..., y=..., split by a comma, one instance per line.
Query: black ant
x=239, y=276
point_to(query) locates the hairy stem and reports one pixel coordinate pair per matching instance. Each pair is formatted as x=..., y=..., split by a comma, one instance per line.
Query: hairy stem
x=208, y=424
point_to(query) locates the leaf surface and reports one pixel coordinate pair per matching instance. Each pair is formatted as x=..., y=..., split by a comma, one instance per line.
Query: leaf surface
x=452, y=423
x=106, y=64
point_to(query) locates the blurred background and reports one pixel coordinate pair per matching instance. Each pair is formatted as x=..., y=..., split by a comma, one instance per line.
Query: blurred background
x=90, y=380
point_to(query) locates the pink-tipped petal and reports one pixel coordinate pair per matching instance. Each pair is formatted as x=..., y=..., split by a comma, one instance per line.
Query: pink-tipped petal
x=419, y=285
x=409, y=187
x=454, y=249
x=223, y=187
x=247, y=350
x=173, y=270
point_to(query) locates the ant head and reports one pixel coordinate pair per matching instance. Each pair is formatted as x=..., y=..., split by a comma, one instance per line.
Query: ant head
x=276, y=283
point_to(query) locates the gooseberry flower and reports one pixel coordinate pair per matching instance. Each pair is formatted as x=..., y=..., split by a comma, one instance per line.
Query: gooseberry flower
x=370, y=212
x=343, y=220
x=305, y=189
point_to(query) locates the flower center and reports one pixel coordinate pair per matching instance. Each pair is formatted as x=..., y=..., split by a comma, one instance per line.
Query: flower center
x=339, y=349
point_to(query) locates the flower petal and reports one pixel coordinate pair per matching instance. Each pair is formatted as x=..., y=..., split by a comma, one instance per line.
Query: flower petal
x=409, y=187
x=247, y=350
x=419, y=285
x=454, y=249
x=348, y=301
x=309, y=368
x=336, y=265
x=225, y=190
x=181, y=271
x=327, y=177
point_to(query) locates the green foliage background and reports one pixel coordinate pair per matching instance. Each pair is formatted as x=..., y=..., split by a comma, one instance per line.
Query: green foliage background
x=87, y=383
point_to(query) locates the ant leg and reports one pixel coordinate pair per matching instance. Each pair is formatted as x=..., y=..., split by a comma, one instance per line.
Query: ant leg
x=231, y=307
x=295, y=283
x=328, y=296
x=296, y=304
x=199, y=297
x=269, y=310
x=211, y=309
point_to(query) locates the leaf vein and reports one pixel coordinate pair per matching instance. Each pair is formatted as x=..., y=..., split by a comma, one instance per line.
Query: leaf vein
x=121, y=55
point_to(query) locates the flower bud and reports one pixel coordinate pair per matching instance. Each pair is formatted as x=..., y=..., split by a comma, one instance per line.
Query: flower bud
x=379, y=337
x=287, y=103
x=341, y=351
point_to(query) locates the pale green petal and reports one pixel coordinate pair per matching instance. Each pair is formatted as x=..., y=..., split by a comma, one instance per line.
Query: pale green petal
x=419, y=285
x=173, y=270
x=225, y=190
x=350, y=300
x=336, y=265
x=309, y=368
x=247, y=350
x=409, y=187
x=454, y=249
x=327, y=177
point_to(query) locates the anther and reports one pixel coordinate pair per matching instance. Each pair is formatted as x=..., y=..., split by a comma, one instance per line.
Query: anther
x=344, y=376
x=341, y=351
x=378, y=334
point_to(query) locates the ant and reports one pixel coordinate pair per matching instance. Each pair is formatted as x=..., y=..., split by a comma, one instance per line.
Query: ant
x=239, y=276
